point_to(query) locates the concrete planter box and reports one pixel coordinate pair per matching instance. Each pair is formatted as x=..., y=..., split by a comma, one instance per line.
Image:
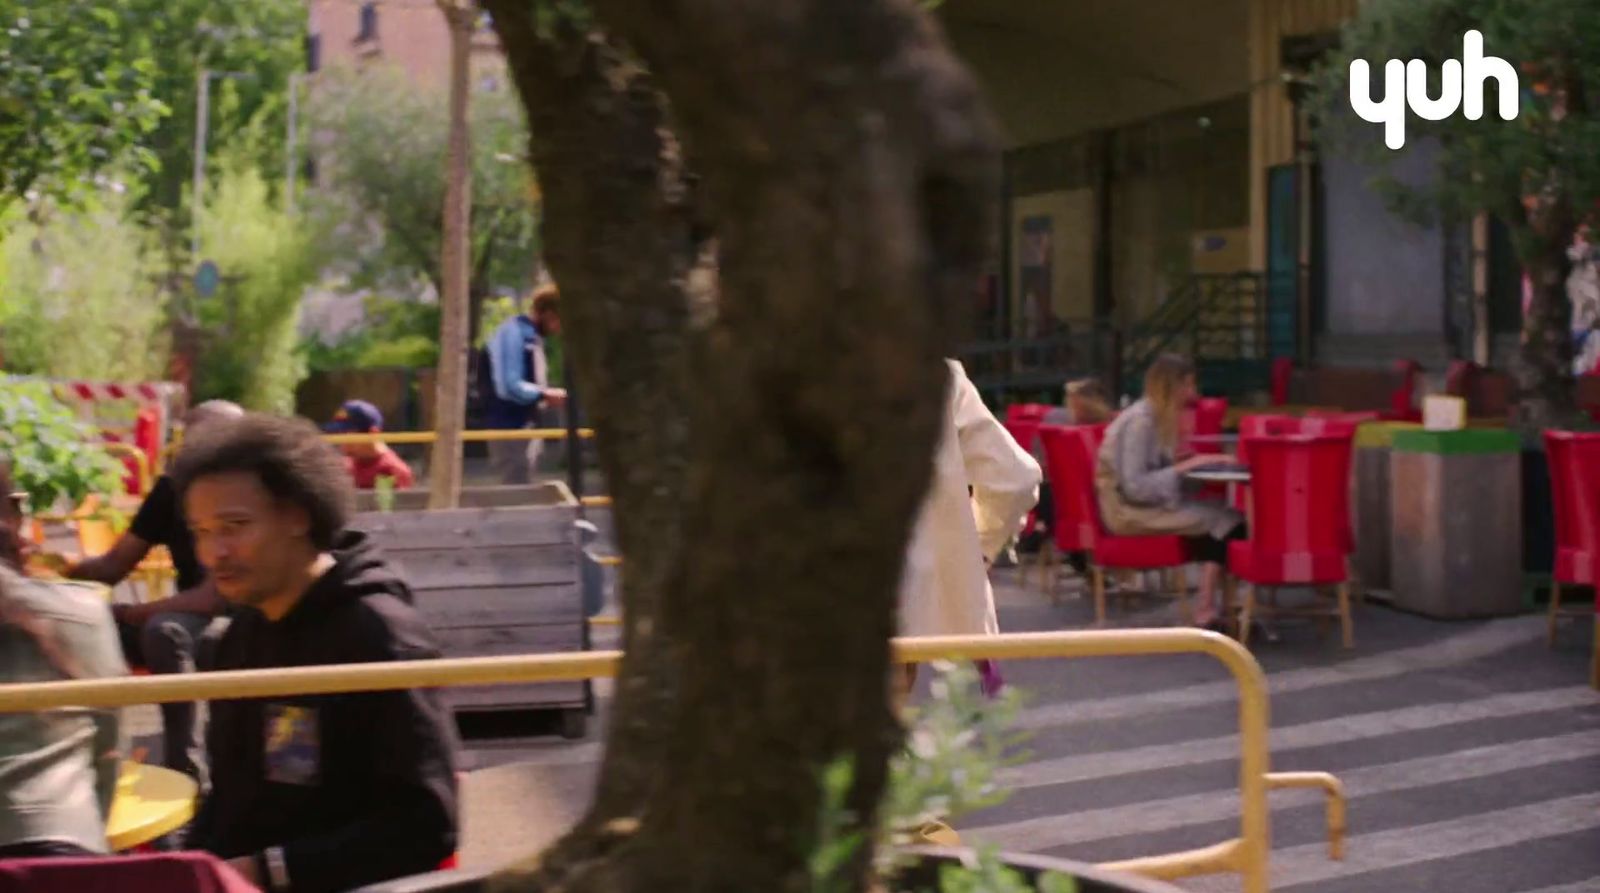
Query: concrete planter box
x=1456, y=540
x=1370, y=501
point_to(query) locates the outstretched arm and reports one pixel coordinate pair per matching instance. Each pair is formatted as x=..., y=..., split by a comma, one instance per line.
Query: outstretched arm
x=1003, y=477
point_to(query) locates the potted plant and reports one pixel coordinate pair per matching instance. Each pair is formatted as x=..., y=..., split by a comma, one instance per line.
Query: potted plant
x=55, y=457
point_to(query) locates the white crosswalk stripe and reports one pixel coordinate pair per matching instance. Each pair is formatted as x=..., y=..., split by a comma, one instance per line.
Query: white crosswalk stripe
x=1049, y=832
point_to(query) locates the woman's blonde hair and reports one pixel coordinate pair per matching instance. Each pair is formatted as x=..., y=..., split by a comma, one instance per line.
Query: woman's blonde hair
x=1164, y=387
x=1094, y=405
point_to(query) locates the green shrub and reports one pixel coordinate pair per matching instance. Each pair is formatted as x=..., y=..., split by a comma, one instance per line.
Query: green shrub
x=81, y=297
x=267, y=261
x=956, y=744
x=55, y=457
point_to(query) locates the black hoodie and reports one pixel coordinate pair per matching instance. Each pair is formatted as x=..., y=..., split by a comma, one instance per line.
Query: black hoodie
x=355, y=788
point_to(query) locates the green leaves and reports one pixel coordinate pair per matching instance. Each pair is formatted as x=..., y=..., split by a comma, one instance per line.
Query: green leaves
x=79, y=86
x=266, y=259
x=957, y=743
x=1489, y=163
x=383, y=181
x=55, y=458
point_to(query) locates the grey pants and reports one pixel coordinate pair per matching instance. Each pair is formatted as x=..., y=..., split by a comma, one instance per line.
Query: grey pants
x=177, y=643
x=512, y=460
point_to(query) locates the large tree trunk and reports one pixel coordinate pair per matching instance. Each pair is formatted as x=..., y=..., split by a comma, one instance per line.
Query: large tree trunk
x=450, y=389
x=621, y=240
x=849, y=174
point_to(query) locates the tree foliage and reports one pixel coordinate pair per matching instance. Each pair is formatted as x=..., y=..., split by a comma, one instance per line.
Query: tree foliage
x=1488, y=164
x=267, y=259
x=1540, y=172
x=55, y=457
x=380, y=142
x=254, y=47
x=84, y=277
x=79, y=95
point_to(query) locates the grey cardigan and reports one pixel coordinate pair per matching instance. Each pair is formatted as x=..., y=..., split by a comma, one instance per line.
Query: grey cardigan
x=1141, y=490
x=58, y=768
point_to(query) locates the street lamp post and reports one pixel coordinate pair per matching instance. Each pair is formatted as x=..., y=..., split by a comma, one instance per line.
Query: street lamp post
x=202, y=124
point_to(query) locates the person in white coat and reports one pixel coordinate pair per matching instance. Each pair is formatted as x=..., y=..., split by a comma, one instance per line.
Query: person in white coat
x=983, y=485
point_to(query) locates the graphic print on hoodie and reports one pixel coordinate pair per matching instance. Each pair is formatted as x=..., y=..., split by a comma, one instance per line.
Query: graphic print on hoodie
x=356, y=788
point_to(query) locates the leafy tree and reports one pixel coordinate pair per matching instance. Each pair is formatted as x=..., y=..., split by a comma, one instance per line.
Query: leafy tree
x=395, y=332
x=84, y=276
x=267, y=260
x=1540, y=173
x=253, y=47
x=79, y=96
x=381, y=144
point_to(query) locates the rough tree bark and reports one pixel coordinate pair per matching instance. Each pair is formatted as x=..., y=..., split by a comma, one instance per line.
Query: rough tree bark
x=620, y=236
x=849, y=172
x=450, y=389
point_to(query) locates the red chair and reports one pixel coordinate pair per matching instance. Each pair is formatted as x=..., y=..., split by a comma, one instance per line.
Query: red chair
x=1073, y=531
x=1258, y=425
x=1027, y=412
x=1282, y=377
x=1299, y=522
x=1204, y=420
x=1403, y=399
x=1025, y=431
x=1574, y=461
x=1078, y=447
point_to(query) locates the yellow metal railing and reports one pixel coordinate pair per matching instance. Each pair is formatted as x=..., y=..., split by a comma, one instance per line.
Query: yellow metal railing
x=141, y=462
x=431, y=436
x=1247, y=854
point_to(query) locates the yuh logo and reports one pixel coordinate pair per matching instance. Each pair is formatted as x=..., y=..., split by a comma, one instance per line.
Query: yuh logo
x=1406, y=83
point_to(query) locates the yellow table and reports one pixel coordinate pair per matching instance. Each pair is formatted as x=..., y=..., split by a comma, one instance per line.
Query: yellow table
x=151, y=801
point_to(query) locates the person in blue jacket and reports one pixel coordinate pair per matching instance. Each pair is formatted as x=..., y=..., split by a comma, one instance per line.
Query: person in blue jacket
x=518, y=388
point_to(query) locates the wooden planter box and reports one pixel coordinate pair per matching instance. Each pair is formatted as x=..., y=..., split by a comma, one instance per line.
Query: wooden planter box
x=496, y=581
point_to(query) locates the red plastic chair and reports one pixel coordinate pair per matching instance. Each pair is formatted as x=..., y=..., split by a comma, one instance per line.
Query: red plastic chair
x=1282, y=376
x=1299, y=521
x=1025, y=431
x=1403, y=399
x=1258, y=425
x=1072, y=530
x=1078, y=448
x=1204, y=419
x=1027, y=412
x=1574, y=461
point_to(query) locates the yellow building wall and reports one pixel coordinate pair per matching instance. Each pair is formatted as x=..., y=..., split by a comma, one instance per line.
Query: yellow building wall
x=1271, y=114
x=1071, y=214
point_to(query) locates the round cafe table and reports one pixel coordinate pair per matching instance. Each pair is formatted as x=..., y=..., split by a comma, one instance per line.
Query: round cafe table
x=151, y=802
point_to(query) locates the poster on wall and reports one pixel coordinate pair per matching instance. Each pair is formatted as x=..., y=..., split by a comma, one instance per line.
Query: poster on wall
x=1035, y=276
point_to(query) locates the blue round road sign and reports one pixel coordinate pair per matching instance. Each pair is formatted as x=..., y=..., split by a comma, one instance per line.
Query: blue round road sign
x=207, y=278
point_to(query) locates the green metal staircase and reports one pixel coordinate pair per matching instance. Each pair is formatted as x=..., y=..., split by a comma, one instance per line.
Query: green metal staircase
x=1220, y=321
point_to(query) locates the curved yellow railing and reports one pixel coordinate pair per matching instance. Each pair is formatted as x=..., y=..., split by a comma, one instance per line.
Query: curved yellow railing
x=141, y=462
x=1247, y=854
x=431, y=436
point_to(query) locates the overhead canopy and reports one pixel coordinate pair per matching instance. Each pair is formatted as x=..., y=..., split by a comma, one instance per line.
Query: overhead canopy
x=1054, y=68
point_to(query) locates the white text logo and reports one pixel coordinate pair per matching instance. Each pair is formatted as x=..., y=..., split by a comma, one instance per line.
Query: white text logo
x=1406, y=83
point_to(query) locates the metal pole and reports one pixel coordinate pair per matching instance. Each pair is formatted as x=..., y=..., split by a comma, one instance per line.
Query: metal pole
x=202, y=116
x=574, y=445
x=289, y=168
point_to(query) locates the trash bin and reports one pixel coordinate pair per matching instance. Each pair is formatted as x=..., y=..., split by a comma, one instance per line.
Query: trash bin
x=1369, y=503
x=1456, y=522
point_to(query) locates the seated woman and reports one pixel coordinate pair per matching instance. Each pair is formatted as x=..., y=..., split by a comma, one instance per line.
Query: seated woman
x=1140, y=483
x=58, y=768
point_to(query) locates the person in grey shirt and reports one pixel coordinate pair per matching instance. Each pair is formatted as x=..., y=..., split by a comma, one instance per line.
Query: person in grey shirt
x=58, y=768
